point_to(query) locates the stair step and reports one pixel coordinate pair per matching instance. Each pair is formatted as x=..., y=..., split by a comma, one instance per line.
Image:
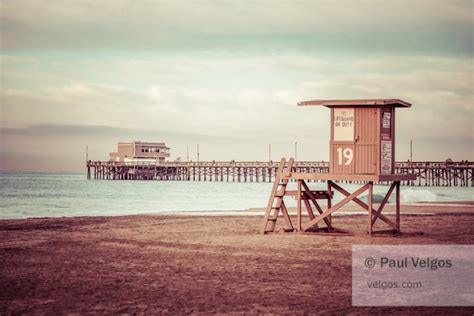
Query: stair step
x=278, y=203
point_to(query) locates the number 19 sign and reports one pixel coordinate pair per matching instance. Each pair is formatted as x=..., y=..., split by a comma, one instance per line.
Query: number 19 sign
x=344, y=156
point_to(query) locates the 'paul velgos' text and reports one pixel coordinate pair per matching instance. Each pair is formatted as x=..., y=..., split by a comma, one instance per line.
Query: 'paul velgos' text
x=415, y=262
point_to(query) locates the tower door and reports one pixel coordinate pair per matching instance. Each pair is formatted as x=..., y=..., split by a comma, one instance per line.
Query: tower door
x=365, y=141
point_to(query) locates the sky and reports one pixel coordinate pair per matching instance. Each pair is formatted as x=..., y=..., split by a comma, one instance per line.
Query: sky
x=227, y=75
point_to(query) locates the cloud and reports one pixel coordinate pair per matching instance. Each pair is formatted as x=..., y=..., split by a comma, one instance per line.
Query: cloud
x=142, y=25
x=9, y=59
x=221, y=95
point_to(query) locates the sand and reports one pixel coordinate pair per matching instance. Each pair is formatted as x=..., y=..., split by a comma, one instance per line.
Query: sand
x=195, y=264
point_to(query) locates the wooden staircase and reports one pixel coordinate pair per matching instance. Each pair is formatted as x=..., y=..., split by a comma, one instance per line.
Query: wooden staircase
x=276, y=202
x=303, y=195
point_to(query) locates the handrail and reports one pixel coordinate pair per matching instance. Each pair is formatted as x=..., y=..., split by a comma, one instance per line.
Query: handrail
x=274, y=164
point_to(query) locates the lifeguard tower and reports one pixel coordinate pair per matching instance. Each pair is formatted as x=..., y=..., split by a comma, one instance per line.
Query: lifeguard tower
x=362, y=150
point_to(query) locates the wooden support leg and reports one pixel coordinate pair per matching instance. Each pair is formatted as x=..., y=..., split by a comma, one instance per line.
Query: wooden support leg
x=370, y=203
x=397, y=205
x=382, y=205
x=309, y=209
x=298, y=205
x=304, y=193
x=329, y=203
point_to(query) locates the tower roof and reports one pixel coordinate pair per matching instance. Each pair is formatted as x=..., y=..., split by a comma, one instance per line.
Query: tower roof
x=360, y=102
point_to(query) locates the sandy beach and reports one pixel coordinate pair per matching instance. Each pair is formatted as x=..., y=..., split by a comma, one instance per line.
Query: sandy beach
x=197, y=264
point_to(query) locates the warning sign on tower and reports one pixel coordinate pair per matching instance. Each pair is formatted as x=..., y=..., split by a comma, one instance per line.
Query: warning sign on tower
x=344, y=124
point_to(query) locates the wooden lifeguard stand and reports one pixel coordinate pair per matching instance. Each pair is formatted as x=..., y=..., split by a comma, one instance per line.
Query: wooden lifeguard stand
x=362, y=150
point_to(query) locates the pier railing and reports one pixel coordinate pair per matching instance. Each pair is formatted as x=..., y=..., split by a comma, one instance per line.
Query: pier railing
x=429, y=173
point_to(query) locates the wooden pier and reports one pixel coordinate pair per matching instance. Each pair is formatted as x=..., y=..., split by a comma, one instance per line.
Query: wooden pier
x=458, y=174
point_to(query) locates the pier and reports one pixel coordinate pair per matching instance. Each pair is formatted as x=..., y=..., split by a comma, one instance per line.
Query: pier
x=458, y=174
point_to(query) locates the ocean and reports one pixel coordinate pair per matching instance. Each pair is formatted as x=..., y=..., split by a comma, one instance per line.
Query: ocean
x=24, y=195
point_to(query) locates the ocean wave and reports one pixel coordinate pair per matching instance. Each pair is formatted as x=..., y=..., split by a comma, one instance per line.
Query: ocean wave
x=414, y=196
